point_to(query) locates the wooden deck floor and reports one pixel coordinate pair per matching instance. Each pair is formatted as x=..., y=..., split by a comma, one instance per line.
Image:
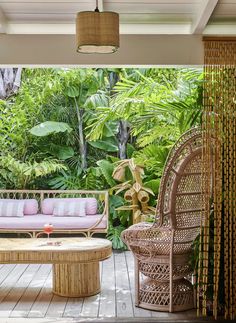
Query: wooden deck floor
x=25, y=292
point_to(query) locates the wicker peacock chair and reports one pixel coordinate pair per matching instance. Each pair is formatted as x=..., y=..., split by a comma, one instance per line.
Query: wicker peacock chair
x=162, y=249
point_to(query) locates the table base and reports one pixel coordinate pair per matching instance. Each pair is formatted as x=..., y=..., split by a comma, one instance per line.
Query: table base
x=76, y=280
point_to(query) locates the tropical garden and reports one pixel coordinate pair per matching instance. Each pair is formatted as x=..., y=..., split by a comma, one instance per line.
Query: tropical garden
x=81, y=128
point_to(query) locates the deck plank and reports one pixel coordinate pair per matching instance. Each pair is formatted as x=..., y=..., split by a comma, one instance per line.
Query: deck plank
x=26, y=292
x=25, y=303
x=11, y=280
x=124, y=306
x=17, y=289
x=138, y=312
x=41, y=304
x=5, y=271
x=107, y=306
x=57, y=306
x=73, y=307
x=90, y=306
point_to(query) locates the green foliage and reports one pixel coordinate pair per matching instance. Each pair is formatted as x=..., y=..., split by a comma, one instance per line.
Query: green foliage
x=22, y=175
x=107, y=169
x=153, y=184
x=58, y=151
x=50, y=127
x=109, y=144
x=153, y=157
x=155, y=107
x=114, y=237
x=21, y=112
x=71, y=180
x=58, y=111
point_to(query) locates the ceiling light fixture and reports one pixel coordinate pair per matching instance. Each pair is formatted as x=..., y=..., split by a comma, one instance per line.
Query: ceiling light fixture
x=97, y=32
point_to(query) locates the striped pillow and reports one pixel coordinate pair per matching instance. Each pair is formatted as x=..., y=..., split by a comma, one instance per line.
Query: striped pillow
x=65, y=208
x=12, y=208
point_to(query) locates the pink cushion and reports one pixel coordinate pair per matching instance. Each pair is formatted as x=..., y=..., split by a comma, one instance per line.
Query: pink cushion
x=62, y=208
x=47, y=205
x=12, y=208
x=30, y=205
x=36, y=222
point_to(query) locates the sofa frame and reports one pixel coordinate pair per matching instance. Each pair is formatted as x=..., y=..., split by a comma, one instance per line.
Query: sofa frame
x=101, y=196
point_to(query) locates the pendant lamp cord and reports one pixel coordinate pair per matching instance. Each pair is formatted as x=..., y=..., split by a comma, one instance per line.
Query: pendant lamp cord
x=96, y=10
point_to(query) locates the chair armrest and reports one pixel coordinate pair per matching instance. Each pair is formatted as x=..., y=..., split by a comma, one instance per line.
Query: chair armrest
x=146, y=233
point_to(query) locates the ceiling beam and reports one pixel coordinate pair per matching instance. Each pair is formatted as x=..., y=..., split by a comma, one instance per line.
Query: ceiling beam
x=142, y=50
x=203, y=16
x=69, y=29
x=3, y=22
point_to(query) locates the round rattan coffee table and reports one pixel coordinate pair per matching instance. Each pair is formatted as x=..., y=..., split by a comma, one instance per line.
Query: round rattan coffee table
x=75, y=261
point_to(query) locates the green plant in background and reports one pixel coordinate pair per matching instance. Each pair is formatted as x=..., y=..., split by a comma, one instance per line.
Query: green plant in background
x=20, y=175
x=154, y=107
x=114, y=236
x=68, y=128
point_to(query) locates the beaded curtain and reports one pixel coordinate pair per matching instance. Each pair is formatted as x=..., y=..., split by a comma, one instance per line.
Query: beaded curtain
x=219, y=137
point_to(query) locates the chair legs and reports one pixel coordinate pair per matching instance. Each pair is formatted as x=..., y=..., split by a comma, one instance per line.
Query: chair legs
x=137, y=280
x=168, y=295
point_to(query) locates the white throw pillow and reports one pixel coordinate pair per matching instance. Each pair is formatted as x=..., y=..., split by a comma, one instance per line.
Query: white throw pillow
x=12, y=208
x=63, y=208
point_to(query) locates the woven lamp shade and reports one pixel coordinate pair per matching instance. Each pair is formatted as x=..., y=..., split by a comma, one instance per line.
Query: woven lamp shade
x=97, y=32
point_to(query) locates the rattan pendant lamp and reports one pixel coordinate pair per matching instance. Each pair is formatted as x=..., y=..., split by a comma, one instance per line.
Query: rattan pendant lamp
x=97, y=32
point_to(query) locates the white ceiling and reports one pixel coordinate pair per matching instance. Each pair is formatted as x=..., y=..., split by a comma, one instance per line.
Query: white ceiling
x=183, y=17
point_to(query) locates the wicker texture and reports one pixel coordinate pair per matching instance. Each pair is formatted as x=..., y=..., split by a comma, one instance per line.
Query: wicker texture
x=162, y=249
x=97, y=32
x=75, y=261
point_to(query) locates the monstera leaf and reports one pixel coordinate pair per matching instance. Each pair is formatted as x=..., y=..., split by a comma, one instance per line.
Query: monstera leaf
x=49, y=127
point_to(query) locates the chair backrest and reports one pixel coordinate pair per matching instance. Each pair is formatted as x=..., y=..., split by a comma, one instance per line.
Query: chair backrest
x=181, y=198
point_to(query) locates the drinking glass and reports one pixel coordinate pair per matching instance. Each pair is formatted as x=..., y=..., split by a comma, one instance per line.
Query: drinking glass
x=48, y=228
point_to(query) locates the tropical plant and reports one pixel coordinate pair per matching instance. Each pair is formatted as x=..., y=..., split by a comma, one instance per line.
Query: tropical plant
x=74, y=125
x=114, y=236
x=17, y=174
x=153, y=109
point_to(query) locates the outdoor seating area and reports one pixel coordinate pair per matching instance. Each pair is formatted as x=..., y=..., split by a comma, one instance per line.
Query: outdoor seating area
x=161, y=250
x=117, y=172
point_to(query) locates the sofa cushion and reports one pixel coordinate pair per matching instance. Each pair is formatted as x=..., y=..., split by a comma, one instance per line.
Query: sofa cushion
x=11, y=208
x=73, y=208
x=30, y=205
x=36, y=222
x=47, y=205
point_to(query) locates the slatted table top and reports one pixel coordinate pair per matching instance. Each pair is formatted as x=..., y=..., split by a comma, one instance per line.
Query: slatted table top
x=39, y=244
x=37, y=250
